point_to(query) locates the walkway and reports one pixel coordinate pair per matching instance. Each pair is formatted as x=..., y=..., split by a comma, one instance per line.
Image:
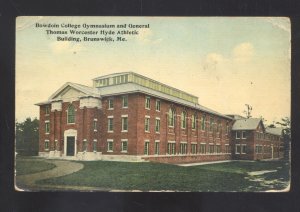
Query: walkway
x=62, y=168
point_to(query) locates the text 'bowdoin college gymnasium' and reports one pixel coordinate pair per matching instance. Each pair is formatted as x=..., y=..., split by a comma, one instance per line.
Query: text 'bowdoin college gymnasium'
x=129, y=117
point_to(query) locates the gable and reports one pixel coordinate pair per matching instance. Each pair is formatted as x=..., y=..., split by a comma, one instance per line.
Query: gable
x=69, y=93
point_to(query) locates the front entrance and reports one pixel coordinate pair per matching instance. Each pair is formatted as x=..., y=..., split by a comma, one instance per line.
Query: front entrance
x=70, y=145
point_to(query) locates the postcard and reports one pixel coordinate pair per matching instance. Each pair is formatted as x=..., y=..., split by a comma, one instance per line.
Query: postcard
x=163, y=104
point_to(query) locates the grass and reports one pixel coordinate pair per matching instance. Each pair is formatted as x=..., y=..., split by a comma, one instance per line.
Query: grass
x=28, y=165
x=154, y=176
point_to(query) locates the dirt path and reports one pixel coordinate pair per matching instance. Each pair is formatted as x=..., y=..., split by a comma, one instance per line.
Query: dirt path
x=27, y=182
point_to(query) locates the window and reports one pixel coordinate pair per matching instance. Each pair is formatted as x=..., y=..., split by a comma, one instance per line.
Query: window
x=124, y=145
x=183, y=120
x=147, y=102
x=202, y=148
x=227, y=128
x=218, y=148
x=227, y=149
x=124, y=123
x=157, y=105
x=211, y=124
x=171, y=118
x=95, y=125
x=47, y=127
x=84, y=146
x=243, y=134
x=125, y=101
x=237, y=135
x=147, y=124
x=110, y=124
x=46, y=144
x=110, y=104
x=258, y=148
x=47, y=110
x=193, y=122
x=237, y=149
x=156, y=148
x=146, y=149
x=157, y=125
x=243, y=149
x=171, y=148
x=194, y=148
x=203, y=123
x=71, y=114
x=110, y=145
x=95, y=145
x=183, y=148
x=211, y=148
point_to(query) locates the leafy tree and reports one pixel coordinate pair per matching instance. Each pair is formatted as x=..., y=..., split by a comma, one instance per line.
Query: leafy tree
x=286, y=125
x=27, y=136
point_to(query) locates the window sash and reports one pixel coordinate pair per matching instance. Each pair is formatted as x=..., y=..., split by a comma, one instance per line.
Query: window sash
x=124, y=124
x=71, y=114
x=110, y=124
x=157, y=105
x=110, y=146
x=156, y=148
x=193, y=122
x=157, y=125
x=146, y=149
x=46, y=145
x=147, y=124
x=110, y=103
x=47, y=127
x=125, y=101
x=147, y=103
x=124, y=146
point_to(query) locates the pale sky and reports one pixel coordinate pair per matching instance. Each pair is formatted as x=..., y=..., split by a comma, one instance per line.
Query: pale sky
x=226, y=62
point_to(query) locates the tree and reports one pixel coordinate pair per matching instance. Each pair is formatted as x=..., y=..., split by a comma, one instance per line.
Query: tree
x=286, y=133
x=27, y=136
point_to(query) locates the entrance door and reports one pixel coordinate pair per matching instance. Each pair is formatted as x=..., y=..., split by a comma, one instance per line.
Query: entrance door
x=70, y=146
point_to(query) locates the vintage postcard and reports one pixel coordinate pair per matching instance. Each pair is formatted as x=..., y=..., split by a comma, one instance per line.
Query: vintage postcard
x=153, y=104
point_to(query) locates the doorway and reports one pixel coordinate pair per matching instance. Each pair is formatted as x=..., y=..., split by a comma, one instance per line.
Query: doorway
x=70, y=145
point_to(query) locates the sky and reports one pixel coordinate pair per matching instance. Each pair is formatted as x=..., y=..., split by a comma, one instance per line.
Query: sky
x=226, y=61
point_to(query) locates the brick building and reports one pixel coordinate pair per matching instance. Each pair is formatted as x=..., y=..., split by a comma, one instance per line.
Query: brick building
x=129, y=117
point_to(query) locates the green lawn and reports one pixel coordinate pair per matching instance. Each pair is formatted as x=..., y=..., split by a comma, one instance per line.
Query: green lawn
x=29, y=165
x=230, y=176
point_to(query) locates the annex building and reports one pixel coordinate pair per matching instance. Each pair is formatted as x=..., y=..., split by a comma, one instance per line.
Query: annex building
x=129, y=117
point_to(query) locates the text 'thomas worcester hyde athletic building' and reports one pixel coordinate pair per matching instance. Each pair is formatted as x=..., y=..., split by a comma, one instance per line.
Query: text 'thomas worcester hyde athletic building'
x=129, y=117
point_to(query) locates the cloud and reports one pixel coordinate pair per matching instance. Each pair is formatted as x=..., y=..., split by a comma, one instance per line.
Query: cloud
x=212, y=60
x=65, y=46
x=243, y=52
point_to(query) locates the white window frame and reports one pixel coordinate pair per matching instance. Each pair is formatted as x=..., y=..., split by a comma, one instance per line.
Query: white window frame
x=147, y=123
x=194, y=144
x=194, y=122
x=146, y=147
x=157, y=120
x=157, y=105
x=122, y=120
x=109, y=105
x=147, y=106
x=123, y=101
x=183, y=148
x=46, y=141
x=183, y=120
x=95, y=123
x=236, y=135
x=243, y=145
x=171, y=144
x=236, y=149
x=47, y=129
x=108, y=125
x=157, y=147
x=95, y=142
x=122, y=145
x=112, y=145
x=244, y=133
x=47, y=110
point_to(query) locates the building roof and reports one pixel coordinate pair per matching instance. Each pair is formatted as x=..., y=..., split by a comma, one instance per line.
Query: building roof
x=132, y=88
x=246, y=124
x=89, y=91
x=274, y=131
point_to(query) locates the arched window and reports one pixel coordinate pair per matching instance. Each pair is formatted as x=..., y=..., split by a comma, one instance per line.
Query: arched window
x=71, y=114
x=171, y=117
x=183, y=119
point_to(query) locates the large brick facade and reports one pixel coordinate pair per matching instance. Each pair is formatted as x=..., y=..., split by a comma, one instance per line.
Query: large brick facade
x=122, y=124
